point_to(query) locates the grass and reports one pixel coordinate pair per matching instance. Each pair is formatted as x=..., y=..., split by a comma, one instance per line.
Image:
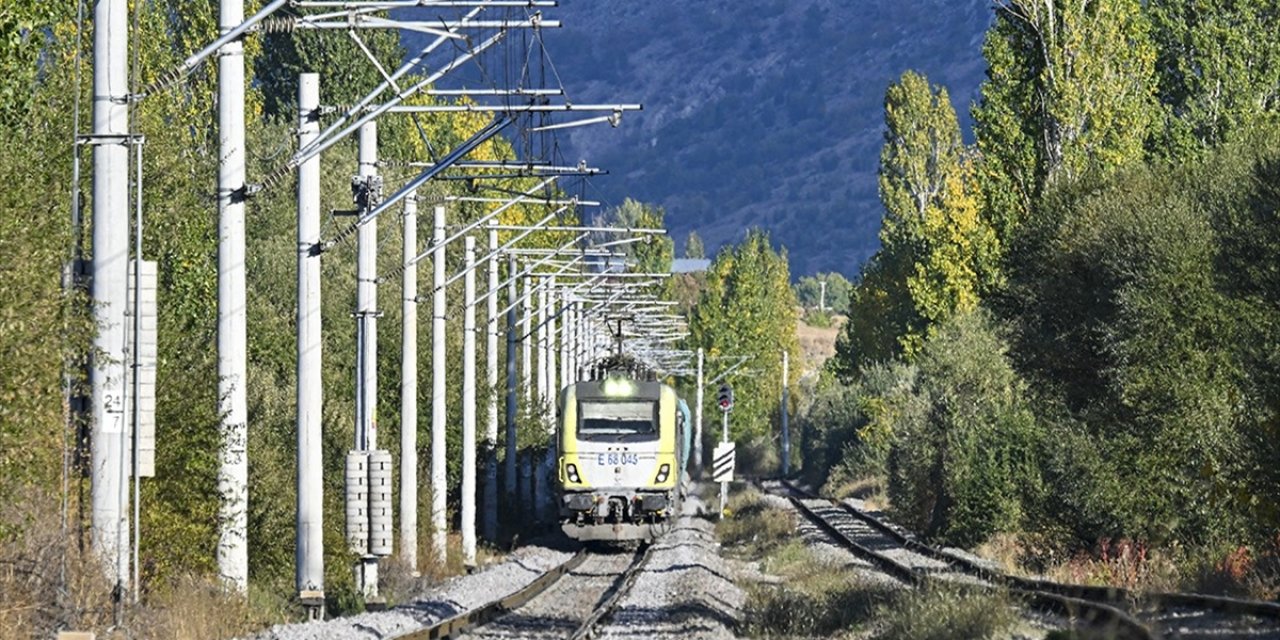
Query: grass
x=944, y=613
x=751, y=523
x=871, y=490
x=48, y=584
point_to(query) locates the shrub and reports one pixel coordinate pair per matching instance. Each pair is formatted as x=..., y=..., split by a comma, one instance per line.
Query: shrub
x=964, y=460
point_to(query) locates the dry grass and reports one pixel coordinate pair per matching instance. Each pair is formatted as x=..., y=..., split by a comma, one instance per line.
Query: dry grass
x=753, y=524
x=871, y=490
x=940, y=613
x=47, y=584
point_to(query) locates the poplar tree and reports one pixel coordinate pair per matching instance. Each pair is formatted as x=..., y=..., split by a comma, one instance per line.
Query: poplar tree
x=938, y=253
x=1218, y=69
x=749, y=309
x=1070, y=92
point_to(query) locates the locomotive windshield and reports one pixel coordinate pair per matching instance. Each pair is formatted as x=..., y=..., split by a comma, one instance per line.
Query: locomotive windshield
x=621, y=419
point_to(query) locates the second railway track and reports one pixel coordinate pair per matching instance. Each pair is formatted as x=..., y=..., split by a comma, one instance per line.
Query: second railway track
x=1124, y=613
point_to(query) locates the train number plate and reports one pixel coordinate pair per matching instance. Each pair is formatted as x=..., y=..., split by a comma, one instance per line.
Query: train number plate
x=613, y=459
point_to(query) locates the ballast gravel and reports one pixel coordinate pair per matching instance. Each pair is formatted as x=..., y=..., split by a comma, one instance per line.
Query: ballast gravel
x=451, y=597
x=685, y=589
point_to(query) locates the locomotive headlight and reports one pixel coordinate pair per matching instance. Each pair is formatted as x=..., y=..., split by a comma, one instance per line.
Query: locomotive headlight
x=571, y=470
x=663, y=472
x=617, y=387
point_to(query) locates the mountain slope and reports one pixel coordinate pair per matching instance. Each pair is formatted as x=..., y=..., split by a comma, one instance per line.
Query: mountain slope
x=760, y=113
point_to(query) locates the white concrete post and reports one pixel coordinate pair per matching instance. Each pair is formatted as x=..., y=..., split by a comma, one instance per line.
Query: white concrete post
x=697, y=420
x=553, y=371
x=409, y=389
x=544, y=383
x=786, y=427
x=366, y=432
x=233, y=474
x=109, y=447
x=491, y=381
x=513, y=377
x=310, y=511
x=439, y=480
x=469, y=404
x=527, y=374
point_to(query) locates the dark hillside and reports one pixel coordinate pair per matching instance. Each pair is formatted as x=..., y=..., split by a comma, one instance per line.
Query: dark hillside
x=759, y=112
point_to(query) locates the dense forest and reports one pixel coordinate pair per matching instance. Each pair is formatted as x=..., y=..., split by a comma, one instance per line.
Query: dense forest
x=1069, y=335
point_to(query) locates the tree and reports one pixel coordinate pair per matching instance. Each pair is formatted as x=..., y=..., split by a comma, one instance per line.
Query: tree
x=693, y=247
x=1070, y=93
x=655, y=253
x=938, y=253
x=810, y=291
x=964, y=464
x=748, y=309
x=1218, y=69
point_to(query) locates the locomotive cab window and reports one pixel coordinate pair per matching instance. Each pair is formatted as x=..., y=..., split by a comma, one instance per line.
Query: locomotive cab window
x=627, y=420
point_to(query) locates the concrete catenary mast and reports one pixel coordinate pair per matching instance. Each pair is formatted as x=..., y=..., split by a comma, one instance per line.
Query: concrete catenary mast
x=233, y=474
x=109, y=445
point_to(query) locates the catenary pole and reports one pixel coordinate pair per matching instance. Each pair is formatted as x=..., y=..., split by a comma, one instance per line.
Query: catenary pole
x=491, y=395
x=527, y=375
x=233, y=474
x=366, y=432
x=786, y=427
x=409, y=390
x=469, y=404
x=309, y=559
x=439, y=487
x=513, y=376
x=109, y=449
x=697, y=420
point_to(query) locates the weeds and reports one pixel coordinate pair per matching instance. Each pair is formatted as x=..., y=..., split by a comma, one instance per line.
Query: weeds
x=942, y=613
x=753, y=523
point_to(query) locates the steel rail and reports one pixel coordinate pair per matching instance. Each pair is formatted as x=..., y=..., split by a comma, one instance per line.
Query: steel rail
x=454, y=625
x=1160, y=600
x=620, y=589
x=1097, y=613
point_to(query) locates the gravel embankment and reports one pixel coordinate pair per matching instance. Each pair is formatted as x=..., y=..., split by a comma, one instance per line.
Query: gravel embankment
x=685, y=590
x=560, y=610
x=451, y=597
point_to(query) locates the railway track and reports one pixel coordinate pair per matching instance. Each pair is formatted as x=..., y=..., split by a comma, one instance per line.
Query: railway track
x=569, y=601
x=1124, y=613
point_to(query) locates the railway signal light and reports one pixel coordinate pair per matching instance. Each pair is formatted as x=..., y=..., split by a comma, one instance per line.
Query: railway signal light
x=724, y=398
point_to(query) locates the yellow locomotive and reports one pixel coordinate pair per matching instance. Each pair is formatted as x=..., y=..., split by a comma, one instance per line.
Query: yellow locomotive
x=623, y=445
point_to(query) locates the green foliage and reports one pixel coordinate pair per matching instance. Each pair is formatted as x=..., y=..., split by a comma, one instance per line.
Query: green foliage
x=939, y=253
x=748, y=309
x=1070, y=93
x=1218, y=68
x=965, y=461
x=693, y=247
x=809, y=291
x=655, y=253
x=27, y=32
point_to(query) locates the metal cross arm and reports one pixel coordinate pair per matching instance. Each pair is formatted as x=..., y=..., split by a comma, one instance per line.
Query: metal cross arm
x=513, y=108
x=523, y=197
x=496, y=252
x=329, y=137
x=357, y=19
x=194, y=60
x=657, y=232
x=741, y=361
x=467, y=147
x=429, y=4
x=529, y=269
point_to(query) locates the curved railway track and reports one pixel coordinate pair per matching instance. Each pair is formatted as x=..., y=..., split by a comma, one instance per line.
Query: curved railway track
x=1125, y=613
x=569, y=601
